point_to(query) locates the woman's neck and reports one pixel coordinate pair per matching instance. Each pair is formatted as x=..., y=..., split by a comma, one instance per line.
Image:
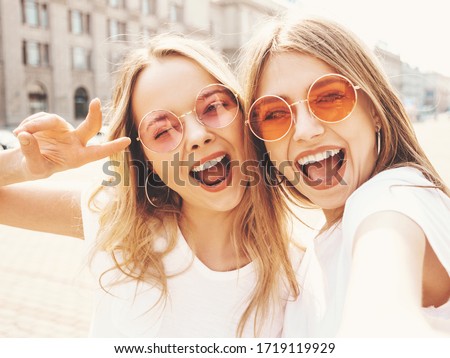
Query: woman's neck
x=208, y=233
x=332, y=215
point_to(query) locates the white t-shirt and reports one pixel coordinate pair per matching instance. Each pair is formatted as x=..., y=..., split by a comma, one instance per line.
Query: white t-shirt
x=325, y=269
x=200, y=303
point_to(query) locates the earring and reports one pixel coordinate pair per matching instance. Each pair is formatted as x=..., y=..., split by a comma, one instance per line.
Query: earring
x=378, y=141
x=162, y=203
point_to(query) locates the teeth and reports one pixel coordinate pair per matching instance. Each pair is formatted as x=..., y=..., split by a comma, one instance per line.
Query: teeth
x=208, y=164
x=318, y=157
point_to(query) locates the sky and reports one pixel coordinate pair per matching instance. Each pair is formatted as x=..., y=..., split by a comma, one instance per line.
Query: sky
x=417, y=30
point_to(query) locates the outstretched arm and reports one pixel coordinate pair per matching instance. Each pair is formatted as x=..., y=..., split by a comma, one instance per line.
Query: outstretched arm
x=384, y=296
x=48, y=144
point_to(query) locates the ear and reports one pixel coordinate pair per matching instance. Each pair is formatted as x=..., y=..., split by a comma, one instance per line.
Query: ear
x=375, y=116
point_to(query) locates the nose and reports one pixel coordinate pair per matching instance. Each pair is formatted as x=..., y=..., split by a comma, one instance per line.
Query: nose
x=306, y=126
x=196, y=134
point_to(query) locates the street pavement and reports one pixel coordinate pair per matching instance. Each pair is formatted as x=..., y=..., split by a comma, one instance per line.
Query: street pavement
x=45, y=288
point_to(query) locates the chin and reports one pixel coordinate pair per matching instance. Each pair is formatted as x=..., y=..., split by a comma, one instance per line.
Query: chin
x=330, y=199
x=231, y=201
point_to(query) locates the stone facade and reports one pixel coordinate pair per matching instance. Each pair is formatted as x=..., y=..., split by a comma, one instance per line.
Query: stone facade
x=56, y=55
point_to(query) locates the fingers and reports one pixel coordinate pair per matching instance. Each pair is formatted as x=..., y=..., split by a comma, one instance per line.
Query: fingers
x=97, y=152
x=93, y=122
x=42, y=122
x=26, y=120
x=30, y=149
x=33, y=116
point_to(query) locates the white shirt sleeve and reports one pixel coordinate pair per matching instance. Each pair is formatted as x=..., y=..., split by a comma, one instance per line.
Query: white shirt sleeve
x=407, y=191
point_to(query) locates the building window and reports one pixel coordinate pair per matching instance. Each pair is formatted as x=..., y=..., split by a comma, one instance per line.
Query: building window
x=76, y=22
x=87, y=23
x=31, y=12
x=79, y=23
x=37, y=98
x=81, y=58
x=117, y=3
x=113, y=27
x=44, y=16
x=176, y=12
x=45, y=55
x=34, y=13
x=35, y=54
x=116, y=28
x=149, y=7
x=32, y=53
x=81, y=103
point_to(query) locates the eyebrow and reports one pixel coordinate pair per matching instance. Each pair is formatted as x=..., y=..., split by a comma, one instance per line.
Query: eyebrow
x=323, y=82
x=211, y=92
x=269, y=100
x=161, y=117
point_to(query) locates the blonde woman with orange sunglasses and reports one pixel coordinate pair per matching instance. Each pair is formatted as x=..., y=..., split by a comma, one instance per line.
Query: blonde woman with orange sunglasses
x=339, y=139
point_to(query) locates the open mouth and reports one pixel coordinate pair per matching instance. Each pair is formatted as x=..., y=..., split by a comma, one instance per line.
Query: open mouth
x=322, y=168
x=213, y=172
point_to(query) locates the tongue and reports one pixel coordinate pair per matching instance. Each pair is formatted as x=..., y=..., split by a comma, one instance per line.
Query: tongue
x=213, y=175
x=323, y=170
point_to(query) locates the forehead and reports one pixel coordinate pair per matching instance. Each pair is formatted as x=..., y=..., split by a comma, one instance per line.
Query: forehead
x=170, y=83
x=290, y=74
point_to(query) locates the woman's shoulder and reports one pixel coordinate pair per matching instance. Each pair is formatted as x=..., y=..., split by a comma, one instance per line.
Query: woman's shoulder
x=397, y=185
x=403, y=191
x=399, y=175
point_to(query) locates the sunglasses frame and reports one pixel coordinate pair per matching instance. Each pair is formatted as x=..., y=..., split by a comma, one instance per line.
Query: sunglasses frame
x=293, y=118
x=194, y=110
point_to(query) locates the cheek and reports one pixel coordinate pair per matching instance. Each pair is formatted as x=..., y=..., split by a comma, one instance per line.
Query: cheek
x=358, y=131
x=362, y=144
x=163, y=166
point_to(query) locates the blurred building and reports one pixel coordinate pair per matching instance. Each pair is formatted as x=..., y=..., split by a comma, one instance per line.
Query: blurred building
x=56, y=55
x=424, y=95
x=232, y=21
x=437, y=93
x=412, y=90
x=392, y=65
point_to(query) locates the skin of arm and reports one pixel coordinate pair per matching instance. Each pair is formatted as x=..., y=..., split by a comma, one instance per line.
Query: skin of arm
x=48, y=144
x=37, y=207
x=384, y=296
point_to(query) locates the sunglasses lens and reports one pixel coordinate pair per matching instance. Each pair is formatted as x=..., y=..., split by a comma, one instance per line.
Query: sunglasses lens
x=216, y=106
x=270, y=118
x=332, y=98
x=160, y=131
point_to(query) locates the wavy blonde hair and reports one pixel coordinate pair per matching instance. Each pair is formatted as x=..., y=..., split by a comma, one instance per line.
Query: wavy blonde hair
x=342, y=50
x=129, y=225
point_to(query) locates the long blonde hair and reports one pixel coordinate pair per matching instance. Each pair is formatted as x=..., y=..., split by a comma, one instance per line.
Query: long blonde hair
x=130, y=225
x=342, y=50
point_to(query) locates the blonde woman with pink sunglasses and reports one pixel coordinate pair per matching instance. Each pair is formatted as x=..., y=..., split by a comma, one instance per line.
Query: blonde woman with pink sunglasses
x=339, y=139
x=180, y=250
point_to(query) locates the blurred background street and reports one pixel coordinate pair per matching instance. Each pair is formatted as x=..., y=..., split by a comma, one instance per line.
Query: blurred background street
x=45, y=290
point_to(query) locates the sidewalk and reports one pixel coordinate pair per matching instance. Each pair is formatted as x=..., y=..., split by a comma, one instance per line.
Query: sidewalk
x=44, y=288
x=43, y=291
